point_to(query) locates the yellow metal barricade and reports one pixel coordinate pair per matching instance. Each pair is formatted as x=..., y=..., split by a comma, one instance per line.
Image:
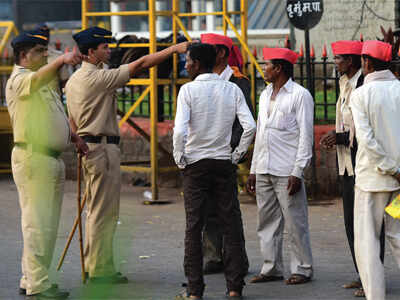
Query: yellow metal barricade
x=152, y=82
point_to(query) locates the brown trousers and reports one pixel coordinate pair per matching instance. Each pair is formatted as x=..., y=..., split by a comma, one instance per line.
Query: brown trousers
x=204, y=181
x=102, y=174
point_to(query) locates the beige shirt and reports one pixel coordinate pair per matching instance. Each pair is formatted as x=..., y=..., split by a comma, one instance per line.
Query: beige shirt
x=92, y=101
x=63, y=73
x=37, y=117
x=344, y=121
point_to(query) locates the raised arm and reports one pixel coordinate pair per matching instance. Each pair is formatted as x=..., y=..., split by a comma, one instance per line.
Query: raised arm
x=154, y=59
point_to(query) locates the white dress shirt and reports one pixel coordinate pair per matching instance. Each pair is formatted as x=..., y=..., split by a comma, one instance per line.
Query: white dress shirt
x=206, y=110
x=376, y=112
x=284, y=138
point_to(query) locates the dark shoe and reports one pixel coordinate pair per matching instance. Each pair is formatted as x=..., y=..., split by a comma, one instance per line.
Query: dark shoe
x=359, y=293
x=213, y=267
x=264, y=278
x=297, y=279
x=51, y=293
x=114, y=279
x=22, y=291
x=356, y=284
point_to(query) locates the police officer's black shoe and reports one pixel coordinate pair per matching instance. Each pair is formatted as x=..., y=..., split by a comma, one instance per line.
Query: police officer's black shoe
x=22, y=291
x=51, y=293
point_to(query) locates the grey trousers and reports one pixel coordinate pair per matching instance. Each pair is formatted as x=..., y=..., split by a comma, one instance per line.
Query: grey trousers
x=369, y=214
x=275, y=210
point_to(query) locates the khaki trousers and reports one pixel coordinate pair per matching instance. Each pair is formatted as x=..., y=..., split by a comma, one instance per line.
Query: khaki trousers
x=40, y=184
x=102, y=174
x=369, y=214
x=276, y=209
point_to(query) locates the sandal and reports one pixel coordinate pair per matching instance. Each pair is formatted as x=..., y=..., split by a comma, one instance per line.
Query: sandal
x=297, y=279
x=265, y=278
x=359, y=293
x=356, y=284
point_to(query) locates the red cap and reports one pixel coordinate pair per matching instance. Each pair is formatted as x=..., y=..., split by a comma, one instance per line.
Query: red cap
x=280, y=53
x=235, y=57
x=216, y=39
x=378, y=50
x=347, y=47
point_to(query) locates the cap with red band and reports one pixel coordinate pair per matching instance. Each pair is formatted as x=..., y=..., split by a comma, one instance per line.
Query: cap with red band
x=216, y=39
x=280, y=53
x=347, y=47
x=378, y=50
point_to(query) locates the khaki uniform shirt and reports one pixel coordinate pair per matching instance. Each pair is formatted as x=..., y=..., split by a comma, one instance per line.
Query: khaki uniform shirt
x=92, y=101
x=37, y=117
x=63, y=73
x=344, y=121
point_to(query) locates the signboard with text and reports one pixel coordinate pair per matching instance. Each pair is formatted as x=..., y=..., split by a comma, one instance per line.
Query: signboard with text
x=304, y=14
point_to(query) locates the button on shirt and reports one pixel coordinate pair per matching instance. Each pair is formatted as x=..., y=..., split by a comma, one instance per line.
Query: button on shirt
x=38, y=117
x=91, y=98
x=206, y=110
x=376, y=112
x=344, y=121
x=284, y=139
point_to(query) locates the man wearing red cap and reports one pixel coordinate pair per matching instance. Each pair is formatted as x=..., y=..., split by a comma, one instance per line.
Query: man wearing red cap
x=347, y=57
x=283, y=148
x=376, y=110
x=212, y=236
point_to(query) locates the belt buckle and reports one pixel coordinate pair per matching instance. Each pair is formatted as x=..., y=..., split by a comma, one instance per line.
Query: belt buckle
x=103, y=139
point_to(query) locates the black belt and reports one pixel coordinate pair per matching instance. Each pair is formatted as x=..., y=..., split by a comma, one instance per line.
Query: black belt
x=343, y=138
x=97, y=139
x=39, y=149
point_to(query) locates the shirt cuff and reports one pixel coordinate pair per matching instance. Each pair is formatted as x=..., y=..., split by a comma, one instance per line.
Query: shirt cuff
x=297, y=172
x=180, y=160
x=236, y=156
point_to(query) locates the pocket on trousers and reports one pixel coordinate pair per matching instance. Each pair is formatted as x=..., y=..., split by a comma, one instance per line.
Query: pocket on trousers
x=95, y=161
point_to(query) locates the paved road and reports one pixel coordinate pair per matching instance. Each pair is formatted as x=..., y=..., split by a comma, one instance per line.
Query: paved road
x=149, y=250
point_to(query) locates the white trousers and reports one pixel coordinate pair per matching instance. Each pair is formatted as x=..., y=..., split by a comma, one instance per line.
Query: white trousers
x=369, y=213
x=275, y=210
x=40, y=184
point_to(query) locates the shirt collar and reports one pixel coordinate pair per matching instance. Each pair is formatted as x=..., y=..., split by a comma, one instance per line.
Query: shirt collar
x=288, y=86
x=384, y=75
x=226, y=73
x=207, y=76
x=90, y=66
x=352, y=81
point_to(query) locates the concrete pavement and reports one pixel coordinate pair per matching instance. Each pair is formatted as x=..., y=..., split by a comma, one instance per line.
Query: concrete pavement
x=149, y=250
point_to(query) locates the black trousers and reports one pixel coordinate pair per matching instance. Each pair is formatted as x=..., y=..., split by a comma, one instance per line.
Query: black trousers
x=212, y=236
x=204, y=181
x=348, y=212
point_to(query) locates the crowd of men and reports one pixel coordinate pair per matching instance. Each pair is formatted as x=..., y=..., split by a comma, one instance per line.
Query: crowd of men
x=214, y=127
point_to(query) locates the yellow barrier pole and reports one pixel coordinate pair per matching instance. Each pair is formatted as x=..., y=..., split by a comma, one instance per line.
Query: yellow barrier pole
x=84, y=16
x=134, y=106
x=5, y=38
x=224, y=15
x=153, y=105
x=175, y=9
x=244, y=45
x=244, y=25
x=180, y=24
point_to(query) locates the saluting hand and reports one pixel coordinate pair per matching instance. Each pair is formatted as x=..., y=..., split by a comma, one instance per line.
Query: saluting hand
x=73, y=58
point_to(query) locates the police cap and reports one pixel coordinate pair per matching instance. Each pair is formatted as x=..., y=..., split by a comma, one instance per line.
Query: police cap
x=34, y=36
x=93, y=35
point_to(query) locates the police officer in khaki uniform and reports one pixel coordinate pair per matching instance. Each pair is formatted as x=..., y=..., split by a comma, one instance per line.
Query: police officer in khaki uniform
x=92, y=106
x=41, y=133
